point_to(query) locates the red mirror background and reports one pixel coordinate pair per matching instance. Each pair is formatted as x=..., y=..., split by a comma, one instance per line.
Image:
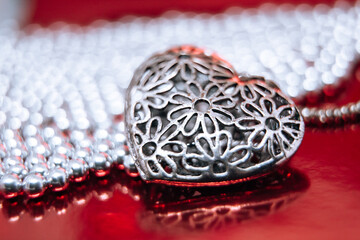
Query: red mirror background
x=316, y=198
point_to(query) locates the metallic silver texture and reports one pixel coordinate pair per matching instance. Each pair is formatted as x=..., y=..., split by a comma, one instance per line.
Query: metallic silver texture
x=62, y=87
x=192, y=119
x=58, y=179
x=331, y=115
x=34, y=185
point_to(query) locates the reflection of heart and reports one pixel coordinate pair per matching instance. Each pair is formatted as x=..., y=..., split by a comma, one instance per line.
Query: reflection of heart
x=215, y=208
x=193, y=121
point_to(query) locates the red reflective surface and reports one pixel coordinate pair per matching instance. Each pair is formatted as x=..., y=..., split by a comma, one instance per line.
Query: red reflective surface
x=85, y=11
x=317, y=197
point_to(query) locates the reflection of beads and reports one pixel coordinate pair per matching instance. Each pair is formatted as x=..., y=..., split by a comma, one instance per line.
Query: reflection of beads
x=62, y=87
x=277, y=189
x=57, y=158
x=77, y=194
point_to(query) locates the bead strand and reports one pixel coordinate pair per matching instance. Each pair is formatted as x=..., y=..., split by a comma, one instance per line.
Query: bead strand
x=61, y=96
x=331, y=115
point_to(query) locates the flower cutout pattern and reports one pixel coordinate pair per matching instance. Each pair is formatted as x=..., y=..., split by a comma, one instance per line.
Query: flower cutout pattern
x=198, y=107
x=249, y=89
x=157, y=149
x=149, y=95
x=275, y=128
x=191, y=119
x=189, y=61
x=216, y=155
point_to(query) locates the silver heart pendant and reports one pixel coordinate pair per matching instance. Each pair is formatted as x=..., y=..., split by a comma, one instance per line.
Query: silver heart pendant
x=193, y=121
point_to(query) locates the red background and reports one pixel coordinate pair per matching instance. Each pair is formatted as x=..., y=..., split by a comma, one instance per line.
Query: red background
x=328, y=157
x=85, y=11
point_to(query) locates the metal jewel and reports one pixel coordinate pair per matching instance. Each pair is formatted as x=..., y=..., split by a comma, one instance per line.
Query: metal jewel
x=192, y=120
x=62, y=87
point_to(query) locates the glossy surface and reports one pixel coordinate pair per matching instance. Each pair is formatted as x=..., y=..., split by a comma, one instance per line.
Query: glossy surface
x=85, y=11
x=327, y=209
x=193, y=122
x=327, y=181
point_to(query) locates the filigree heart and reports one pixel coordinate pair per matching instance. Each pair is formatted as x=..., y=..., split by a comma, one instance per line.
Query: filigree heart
x=193, y=121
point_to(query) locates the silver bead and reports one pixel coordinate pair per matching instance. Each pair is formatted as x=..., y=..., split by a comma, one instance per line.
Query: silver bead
x=10, y=185
x=130, y=167
x=31, y=161
x=8, y=134
x=15, y=123
x=101, y=146
x=48, y=133
x=11, y=143
x=85, y=143
x=40, y=169
x=99, y=162
x=18, y=152
x=77, y=169
x=63, y=149
x=18, y=170
x=11, y=161
x=81, y=153
x=118, y=139
x=34, y=185
x=31, y=142
x=118, y=155
x=29, y=130
x=77, y=136
x=57, y=179
x=101, y=134
x=55, y=141
x=57, y=161
x=42, y=150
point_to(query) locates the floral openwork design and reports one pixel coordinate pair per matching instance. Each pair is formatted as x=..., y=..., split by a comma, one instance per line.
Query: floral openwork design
x=192, y=120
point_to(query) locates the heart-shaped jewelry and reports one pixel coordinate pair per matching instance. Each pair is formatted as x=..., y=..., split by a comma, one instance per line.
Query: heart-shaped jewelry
x=193, y=121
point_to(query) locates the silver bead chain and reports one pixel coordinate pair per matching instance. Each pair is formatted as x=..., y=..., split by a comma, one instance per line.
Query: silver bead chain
x=61, y=94
x=331, y=115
